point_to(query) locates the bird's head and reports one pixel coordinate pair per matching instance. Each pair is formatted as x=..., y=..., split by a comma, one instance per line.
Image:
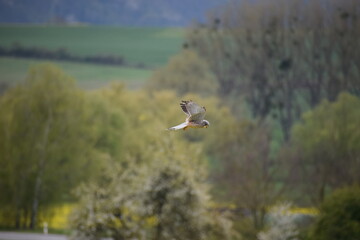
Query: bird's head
x=205, y=123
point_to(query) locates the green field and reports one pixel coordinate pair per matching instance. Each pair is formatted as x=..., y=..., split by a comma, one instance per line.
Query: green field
x=150, y=46
x=88, y=76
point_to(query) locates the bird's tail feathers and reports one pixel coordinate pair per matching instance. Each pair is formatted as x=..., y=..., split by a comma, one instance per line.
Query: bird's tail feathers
x=178, y=127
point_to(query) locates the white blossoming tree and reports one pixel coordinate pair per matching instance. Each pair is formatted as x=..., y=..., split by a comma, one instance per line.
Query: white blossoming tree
x=281, y=224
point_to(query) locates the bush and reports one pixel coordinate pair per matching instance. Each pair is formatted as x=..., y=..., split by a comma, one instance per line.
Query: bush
x=339, y=216
x=281, y=224
x=185, y=73
x=169, y=205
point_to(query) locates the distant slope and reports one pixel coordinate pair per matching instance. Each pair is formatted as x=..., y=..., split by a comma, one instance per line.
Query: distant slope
x=88, y=76
x=151, y=47
x=109, y=12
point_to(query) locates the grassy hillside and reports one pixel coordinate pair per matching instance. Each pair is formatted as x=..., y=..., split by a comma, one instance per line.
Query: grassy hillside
x=13, y=70
x=150, y=46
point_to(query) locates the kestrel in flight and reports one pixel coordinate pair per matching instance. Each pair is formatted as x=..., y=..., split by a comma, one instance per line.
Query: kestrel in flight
x=195, y=116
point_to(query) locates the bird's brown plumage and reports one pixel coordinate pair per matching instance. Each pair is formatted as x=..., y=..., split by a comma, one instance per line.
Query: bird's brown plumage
x=195, y=116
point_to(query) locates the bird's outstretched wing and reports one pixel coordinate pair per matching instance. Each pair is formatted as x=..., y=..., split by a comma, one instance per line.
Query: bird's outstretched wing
x=194, y=112
x=178, y=127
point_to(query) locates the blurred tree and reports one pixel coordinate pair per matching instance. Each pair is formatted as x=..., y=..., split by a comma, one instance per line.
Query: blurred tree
x=185, y=73
x=175, y=207
x=282, y=60
x=180, y=207
x=339, y=216
x=281, y=224
x=107, y=124
x=326, y=147
x=47, y=143
x=3, y=87
x=250, y=175
x=109, y=206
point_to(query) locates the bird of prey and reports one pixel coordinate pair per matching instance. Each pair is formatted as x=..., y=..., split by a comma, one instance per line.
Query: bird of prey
x=195, y=116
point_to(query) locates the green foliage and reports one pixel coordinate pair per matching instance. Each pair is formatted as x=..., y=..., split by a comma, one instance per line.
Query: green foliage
x=107, y=207
x=329, y=142
x=185, y=73
x=249, y=173
x=48, y=143
x=156, y=203
x=330, y=123
x=27, y=113
x=179, y=205
x=339, y=216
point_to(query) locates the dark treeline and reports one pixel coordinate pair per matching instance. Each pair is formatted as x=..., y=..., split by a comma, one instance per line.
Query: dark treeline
x=283, y=57
x=17, y=50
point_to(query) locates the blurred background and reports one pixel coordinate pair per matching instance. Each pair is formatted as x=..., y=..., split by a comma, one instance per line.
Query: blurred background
x=87, y=89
